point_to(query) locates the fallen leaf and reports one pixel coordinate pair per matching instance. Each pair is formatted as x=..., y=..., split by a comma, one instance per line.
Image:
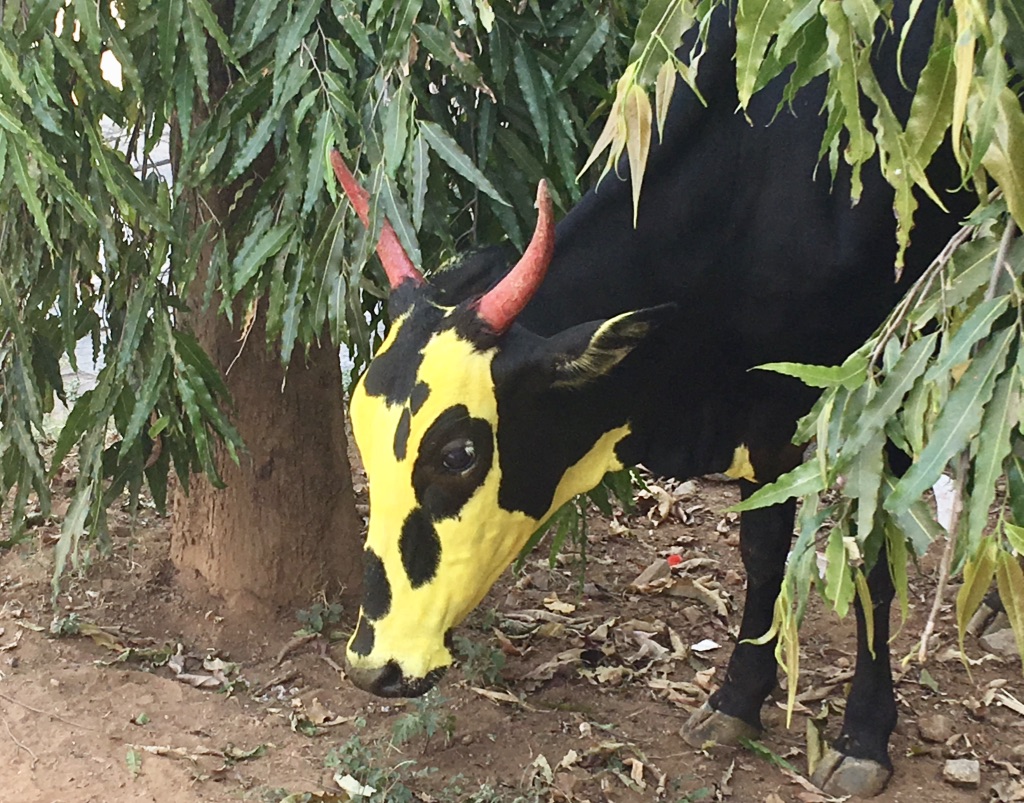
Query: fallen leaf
x=636, y=772
x=556, y=605
x=350, y=785
x=502, y=697
x=657, y=571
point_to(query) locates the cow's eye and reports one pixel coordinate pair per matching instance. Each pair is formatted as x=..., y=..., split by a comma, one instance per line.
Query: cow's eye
x=458, y=456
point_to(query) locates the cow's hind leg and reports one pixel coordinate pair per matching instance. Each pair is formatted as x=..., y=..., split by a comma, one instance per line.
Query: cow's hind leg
x=858, y=762
x=734, y=711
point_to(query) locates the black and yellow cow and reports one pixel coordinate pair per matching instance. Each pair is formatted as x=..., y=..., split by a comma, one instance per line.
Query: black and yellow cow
x=500, y=393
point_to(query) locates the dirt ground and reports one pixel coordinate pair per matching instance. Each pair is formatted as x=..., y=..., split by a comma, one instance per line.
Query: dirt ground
x=560, y=696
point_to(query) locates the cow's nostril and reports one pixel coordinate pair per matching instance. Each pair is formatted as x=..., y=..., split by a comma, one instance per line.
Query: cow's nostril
x=389, y=682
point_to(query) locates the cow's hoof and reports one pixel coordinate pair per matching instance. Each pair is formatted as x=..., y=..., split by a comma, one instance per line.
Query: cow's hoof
x=708, y=726
x=838, y=774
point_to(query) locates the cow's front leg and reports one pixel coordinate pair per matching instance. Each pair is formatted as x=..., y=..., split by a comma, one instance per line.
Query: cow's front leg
x=858, y=762
x=734, y=711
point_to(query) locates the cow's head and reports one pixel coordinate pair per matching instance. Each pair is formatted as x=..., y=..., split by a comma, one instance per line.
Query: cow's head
x=457, y=420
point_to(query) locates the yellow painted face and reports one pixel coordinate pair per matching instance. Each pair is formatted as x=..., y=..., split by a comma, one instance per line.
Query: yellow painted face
x=426, y=422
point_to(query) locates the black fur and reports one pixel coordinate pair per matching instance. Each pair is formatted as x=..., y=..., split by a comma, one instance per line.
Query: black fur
x=377, y=596
x=420, y=548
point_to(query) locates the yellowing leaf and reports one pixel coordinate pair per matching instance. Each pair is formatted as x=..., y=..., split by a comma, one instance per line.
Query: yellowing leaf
x=1004, y=158
x=963, y=61
x=1010, y=579
x=638, y=139
x=663, y=89
x=978, y=574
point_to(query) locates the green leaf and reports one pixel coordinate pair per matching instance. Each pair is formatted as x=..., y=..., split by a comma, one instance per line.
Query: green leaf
x=398, y=215
x=396, y=130
x=9, y=71
x=957, y=424
x=420, y=175
x=848, y=375
x=169, y=34
x=658, y=34
x=756, y=23
x=977, y=326
x=863, y=481
x=1010, y=581
x=845, y=61
x=448, y=149
x=531, y=84
x=195, y=38
x=884, y=404
x=1004, y=159
x=839, y=588
x=932, y=108
x=979, y=571
x=803, y=480
x=1014, y=536
x=257, y=248
x=994, y=443
x=584, y=47
x=401, y=28
x=29, y=188
x=896, y=552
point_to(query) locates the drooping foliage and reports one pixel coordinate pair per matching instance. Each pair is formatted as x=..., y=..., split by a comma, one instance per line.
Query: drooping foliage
x=119, y=120
x=943, y=377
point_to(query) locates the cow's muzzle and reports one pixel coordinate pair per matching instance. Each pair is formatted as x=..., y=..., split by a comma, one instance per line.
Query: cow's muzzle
x=390, y=681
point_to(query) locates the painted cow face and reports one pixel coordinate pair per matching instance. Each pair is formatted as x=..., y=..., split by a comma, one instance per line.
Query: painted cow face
x=456, y=490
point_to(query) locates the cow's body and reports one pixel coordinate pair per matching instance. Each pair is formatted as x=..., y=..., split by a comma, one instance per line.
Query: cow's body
x=744, y=231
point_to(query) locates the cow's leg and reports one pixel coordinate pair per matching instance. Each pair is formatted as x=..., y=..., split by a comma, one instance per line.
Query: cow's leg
x=734, y=711
x=858, y=763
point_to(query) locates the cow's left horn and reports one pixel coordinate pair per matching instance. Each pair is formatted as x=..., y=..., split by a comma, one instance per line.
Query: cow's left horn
x=397, y=265
x=499, y=307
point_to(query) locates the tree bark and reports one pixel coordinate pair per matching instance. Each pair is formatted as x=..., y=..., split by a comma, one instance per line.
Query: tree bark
x=285, y=528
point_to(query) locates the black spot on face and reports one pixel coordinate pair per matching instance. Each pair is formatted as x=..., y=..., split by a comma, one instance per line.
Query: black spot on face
x=441, y=491
x=362, y=644
x=392, y=373
x=402, y=434
x=420, y=393
x=420, y=548
x=376, y=588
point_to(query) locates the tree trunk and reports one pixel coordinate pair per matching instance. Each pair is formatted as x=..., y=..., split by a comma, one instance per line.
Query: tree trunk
x=286, y=526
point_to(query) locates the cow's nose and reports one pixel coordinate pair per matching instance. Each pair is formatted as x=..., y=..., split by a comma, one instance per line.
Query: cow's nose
x=390, y=681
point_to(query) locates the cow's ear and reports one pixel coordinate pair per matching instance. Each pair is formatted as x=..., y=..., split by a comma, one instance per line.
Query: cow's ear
x=589, y=351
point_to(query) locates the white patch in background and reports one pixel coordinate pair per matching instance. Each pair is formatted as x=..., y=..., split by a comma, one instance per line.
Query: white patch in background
x=945, y=498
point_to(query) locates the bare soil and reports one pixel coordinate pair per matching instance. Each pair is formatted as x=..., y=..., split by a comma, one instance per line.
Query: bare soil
x=587, y=706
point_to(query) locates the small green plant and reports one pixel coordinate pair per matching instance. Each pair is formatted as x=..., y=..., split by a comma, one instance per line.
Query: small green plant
x=363, y=761
x=430, y=716
x=70, y=625
x=133, y=760
x=569, y=523
x=319, y=617
x=481, y=663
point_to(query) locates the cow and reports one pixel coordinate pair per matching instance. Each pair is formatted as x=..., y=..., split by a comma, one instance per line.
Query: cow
x=506, y=386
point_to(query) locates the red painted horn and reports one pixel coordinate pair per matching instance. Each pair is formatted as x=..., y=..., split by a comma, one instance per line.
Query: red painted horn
x=397, y=265
x=499, y=307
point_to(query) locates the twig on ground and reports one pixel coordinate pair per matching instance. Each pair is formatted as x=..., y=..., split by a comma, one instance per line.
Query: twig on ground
x=24, y=747
x=332, y=663
x=293, y=645
x=58, y=717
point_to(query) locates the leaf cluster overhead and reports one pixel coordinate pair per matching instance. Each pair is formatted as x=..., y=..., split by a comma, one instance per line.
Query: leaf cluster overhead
x=120, y=122
x=943, y=377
